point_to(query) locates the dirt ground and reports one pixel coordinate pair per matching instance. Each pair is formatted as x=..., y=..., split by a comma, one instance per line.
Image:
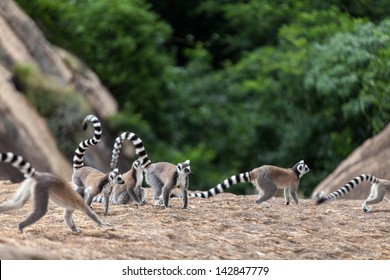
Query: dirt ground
x=224, y=227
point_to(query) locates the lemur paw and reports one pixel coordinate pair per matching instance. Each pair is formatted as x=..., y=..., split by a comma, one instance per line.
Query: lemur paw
x=319, y=195
x=142, y=203
x=77, y=231
x=104, y=224
x=366, y=209
x=158, y=202
x=20, y=228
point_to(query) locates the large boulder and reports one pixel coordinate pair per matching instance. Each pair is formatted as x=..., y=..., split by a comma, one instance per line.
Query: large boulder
x=22, y=129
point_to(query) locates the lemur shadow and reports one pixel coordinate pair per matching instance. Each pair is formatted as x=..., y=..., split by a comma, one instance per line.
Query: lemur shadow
x=381, y=211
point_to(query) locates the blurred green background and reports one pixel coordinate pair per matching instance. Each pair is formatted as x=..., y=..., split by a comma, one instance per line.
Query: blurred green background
x=233, y=85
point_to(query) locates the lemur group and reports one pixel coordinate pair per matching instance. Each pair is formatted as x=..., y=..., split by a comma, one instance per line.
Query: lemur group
x=91, y=185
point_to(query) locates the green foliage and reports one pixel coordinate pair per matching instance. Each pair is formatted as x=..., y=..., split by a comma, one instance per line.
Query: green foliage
x=122, y=41
x=341, y=66
x=232, y=85
x=53, y=17
x=374, y=98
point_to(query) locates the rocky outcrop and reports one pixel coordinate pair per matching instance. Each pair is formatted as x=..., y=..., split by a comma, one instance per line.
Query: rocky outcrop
x=373, y=157
x=22, y=129
x=25, y=132
x=22, y=42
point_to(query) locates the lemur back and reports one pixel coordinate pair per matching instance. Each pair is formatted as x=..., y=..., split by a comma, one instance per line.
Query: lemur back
x=88, y=181
x=161, y=176
x=380, y=189
x=267, y=179
x=41, y=187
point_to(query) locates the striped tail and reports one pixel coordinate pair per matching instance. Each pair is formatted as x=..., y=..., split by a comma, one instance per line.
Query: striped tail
x=78, y=159
x=346, y=188
x=236, y=179
x=18, y=162
x=139, y=149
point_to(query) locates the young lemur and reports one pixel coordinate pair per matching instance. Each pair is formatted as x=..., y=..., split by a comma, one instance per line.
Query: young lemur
x=380, y=189
x=88, y=181
x=131, y=190
x=163, y=177
x=41, y=187
x=267, y=179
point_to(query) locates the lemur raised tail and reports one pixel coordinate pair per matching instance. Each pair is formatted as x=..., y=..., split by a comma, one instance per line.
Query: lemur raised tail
x=88, y=181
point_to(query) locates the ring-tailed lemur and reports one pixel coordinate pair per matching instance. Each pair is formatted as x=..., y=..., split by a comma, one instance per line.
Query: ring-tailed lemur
x=163, y=177
x=88, y=181
x=41, y=187
x=267, y=179
x=131, y=190
x=380, y=189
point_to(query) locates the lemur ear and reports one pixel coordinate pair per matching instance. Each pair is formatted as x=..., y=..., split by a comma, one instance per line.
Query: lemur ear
x=187, y=161
x=179, y=167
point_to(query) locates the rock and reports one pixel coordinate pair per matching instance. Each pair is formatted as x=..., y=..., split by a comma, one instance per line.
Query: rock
x=88, y=84
x=23, y=42
x=22, y=129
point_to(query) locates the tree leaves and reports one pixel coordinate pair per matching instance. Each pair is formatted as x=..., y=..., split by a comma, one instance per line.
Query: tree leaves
x=236, y=84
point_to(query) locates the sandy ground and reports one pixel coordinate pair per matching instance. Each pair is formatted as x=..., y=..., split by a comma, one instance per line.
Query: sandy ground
x=224, y=227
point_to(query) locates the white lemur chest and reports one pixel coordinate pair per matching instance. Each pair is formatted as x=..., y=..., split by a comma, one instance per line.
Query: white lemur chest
x=139, y=177
x=182, y=181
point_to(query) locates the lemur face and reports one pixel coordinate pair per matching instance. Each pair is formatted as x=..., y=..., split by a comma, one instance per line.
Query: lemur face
x=184, y=168
x=302, y=168
x=115, y=177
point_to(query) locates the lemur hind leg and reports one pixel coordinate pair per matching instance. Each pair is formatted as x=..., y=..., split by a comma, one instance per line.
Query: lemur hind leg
x=157, y=186
x=377, y=194
x=94, y=217
x=69, y=220
x=268, y=187
x=40, y=206
x=136, y=197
